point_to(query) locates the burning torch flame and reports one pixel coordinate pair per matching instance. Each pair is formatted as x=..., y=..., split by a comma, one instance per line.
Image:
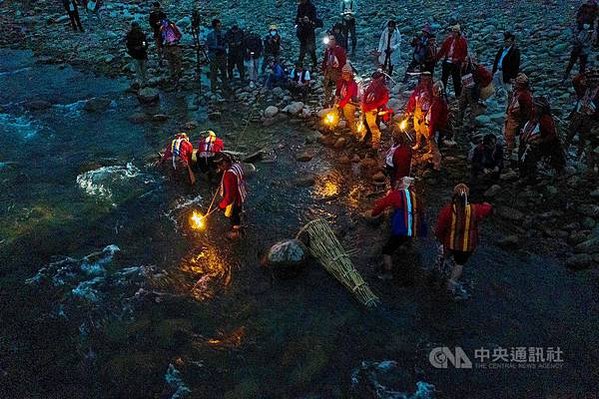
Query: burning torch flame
x=360, y=127
x=197, y=221
x=330, y=119
x=403, y=125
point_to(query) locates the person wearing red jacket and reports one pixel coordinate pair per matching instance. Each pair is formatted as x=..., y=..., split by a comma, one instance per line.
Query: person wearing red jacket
x=334, y=60
x=453, y=52
x=419, y=104
x=539, y=139
x=407, y=222
x=457, y=230
x=436, y=122
x=475, y=78
x=233, y=191
x=519, y=111
x=208, y=147
x=347, y=97
x=177, y=158
x=375, y=97
x=398, y=161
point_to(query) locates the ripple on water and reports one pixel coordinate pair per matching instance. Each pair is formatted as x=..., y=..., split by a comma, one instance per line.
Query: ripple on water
x=21, y=126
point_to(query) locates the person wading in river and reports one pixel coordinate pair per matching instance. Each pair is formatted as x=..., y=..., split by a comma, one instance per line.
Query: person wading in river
x=233, y=191
x=177, y=158
x=407, y=222
x=457, y=230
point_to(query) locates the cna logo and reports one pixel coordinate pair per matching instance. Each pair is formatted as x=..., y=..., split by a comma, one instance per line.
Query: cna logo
x=442, y=357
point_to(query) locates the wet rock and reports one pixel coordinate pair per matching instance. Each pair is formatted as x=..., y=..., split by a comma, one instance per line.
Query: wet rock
x=493, y=191
x=314, y=137
x=270, y=111
x=304, y=157
x=304, y=181
x=96, y=104
x=579, y=262
x=511, y=241
x=509, y=175
x=576, y=237
x=159, y=117
x=148, y=95
x=509, y=213
x=38, y=105
x=138, y=117
x=287, y=255
x=188, y=126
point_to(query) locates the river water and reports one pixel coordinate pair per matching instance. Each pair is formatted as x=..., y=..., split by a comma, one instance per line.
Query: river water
x=105, y=292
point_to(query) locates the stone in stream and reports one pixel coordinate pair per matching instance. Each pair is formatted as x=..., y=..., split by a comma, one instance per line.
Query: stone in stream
x=510, y=241
x=294, y=108
x=148, y=95
x=286, y=256
x=589, y=246
x=38, y=105
x=304, y=157
x=493, y=191
x=98, y=104
x=305, y=181
x=138, y=117
x=510, y=213
x=159, y=117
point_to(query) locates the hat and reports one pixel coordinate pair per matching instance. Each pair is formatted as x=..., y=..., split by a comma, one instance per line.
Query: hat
x=456, y=28
x=156, y=4
x=521, y=79
x=221, y=157
x=273, y=27
x=427, y=29
x=508, y=35
x=461, y=189
x=209, y=133
x=347, y=69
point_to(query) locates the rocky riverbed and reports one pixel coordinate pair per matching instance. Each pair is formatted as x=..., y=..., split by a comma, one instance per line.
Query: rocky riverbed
x=175, y=317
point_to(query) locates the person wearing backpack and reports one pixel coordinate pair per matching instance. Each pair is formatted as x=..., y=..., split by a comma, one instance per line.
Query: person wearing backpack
x=137, y=48
x=72, y=9
x=157, y=15
x=236, y=43
x=421, y=58
x=407, y=222
x=306, y=22
x=172, y=51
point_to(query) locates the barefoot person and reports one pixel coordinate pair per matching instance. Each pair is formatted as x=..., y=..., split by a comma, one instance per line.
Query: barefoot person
x=457, y=230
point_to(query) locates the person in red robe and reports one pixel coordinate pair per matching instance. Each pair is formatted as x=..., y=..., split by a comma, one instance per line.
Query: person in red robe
x=398, y=161
x=375, y=97
x=233, y=191
x=458, y=231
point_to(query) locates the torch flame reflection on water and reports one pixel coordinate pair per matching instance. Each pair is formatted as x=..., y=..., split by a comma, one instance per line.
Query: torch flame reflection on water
x=197, y=221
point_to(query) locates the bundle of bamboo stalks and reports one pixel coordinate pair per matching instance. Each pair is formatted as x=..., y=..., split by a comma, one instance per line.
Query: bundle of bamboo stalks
x=324, y=246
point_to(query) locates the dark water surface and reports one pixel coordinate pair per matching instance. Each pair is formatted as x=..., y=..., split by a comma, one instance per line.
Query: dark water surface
x=75, y=182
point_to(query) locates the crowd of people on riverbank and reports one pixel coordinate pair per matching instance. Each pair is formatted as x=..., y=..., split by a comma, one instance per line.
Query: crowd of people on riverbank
x=438, y=118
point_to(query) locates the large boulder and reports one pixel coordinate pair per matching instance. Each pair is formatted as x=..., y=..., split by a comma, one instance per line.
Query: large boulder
x=288, y=255
x=148, y=95
x=294, y=108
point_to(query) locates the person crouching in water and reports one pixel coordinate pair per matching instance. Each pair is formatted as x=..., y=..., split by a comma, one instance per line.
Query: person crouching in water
x=233, y=192
x=407, y=222
x=208, y=147
x=457, y=230
x=398, y=161
x=347, y=97
x=177, y=159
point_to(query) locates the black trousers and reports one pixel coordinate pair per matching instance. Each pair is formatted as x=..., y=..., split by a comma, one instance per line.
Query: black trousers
x=349, y=27
x=575, y=55
x=236, y=61
x=308, y=45
x=456, y=76
x=75, y=21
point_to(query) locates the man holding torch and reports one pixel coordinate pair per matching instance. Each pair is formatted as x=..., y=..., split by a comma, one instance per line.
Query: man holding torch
x=232, y=190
